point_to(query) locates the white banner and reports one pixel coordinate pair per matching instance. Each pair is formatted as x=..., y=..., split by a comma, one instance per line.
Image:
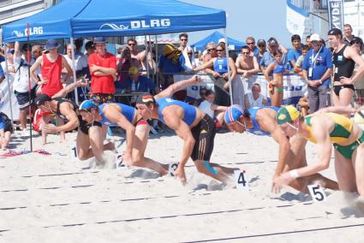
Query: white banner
x=5, y=99
x=295, y=22
x=293, y=85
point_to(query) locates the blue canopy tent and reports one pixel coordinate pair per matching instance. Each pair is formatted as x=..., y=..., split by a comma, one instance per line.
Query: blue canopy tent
x=214, y=37
x=81, y=18
x=52, y=23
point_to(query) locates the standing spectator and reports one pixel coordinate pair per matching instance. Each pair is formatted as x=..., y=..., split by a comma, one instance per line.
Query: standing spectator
x=308, y=41
x=357, y=44
x=295, y=52
x=348, y=34
x=22, y=83
x=254, y=98
x=250, y=42
x=220, y=65
x=51, y=64
x=185, y=49
x=262, y=46
x=103, y=72
x=344, y=59
x=89, y=48
x=299, y=62
x=247, y=65
x=317, y=70
x=138, y=83
x=268, y=57
x=136, y=55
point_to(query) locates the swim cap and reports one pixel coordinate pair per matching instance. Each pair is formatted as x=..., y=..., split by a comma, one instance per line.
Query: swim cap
x=41, y=99
x=287, y=114
x=232, y=114
x=86, y=105
x=146, y=99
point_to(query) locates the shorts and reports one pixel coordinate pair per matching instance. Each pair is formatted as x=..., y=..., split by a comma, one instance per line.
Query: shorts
x=84, y=126
x=23, y=98
x=348, y=150
x=102, y=98
x=204, y=135
x=337, y=88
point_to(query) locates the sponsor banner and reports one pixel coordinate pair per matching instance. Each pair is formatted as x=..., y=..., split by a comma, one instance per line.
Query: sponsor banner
x=294, y=87
x=295, y=21
x=336, y=14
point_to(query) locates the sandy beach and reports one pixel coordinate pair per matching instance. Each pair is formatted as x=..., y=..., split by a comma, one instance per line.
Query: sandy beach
x=56, y=198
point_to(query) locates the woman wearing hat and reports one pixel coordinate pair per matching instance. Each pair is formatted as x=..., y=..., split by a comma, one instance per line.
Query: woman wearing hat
x=51, y=64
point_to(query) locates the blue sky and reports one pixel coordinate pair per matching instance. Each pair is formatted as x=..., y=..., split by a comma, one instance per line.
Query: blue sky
x=259, y=18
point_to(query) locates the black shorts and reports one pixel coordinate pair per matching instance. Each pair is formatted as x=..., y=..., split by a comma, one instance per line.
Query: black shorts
x=23, y=98
x=84, y=126
x=204, y=135
x=102, y=98
x=337, y=88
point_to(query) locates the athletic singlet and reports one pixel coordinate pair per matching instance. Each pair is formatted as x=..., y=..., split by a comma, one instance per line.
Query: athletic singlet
x=256, y=130
x=126, y=111
x=51, y=71
x=62, y=100
x=220, y=65
x=340, y=133
x=189, y=110
x=343, y=66
x=279, y=68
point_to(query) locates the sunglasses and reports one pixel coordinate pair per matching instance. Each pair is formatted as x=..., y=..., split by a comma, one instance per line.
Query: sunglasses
x=183, y=39
x=245, y=53
x=131, y=44
x=250, y=43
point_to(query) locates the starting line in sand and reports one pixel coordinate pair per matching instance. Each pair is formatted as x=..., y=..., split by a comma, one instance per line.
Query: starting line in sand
x=169, y=216
x=278, y=233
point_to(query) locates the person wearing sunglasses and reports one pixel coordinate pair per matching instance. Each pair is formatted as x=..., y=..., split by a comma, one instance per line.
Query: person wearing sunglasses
x=262, y=121
x=220, y=72
x=250, y=43
x=328, y=130
x=246, y=64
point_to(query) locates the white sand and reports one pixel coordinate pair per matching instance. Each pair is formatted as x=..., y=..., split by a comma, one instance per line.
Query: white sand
x=53, y=198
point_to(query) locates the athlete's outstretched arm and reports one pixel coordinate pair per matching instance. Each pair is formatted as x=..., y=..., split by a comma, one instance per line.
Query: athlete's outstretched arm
x=168, y=92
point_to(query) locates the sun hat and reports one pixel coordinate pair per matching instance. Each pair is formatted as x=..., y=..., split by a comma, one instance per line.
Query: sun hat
x=315, y=37
x=287, y=113
x=86, y=105
x=99, y=40
x=41, y=99
x=51, y=44
x=233, y=114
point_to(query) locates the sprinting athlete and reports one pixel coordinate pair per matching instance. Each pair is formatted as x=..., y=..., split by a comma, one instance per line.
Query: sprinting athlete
x=262, y=121
x=326, y=129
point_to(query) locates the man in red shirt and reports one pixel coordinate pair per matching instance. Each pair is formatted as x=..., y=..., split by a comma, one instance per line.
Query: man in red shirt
x=103, y=72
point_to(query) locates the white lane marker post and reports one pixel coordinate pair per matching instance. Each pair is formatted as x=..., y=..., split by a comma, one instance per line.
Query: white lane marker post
x=240, y=180
x=317, y=192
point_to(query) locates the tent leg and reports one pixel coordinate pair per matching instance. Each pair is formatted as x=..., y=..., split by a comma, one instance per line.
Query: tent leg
x=228, y=67
x=74, y=69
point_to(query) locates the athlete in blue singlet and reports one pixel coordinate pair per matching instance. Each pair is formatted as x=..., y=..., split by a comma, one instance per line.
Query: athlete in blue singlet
x=196, y=128
x=189, y=110
x=127, y=111
x=263, y=121
x=221, y=65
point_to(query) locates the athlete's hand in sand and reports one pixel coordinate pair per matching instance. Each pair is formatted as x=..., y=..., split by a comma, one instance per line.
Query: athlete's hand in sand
x=283, y=179
x=127, y=158
x=180, y=174
x=50, y=128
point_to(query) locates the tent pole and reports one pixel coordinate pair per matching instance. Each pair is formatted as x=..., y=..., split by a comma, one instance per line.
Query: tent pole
x=157, y=61
x=28, y=56
x=228, y=67
x=74, y=69
x=8, y=82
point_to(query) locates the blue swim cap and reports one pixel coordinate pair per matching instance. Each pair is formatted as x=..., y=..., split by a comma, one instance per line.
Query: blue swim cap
x=232, y=114
x=86, y=105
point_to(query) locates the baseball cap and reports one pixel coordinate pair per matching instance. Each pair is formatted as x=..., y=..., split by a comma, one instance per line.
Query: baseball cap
x=335, y=31
x=233, y=114
x=287, y=113
x=146, y=99
x=315, y=37
x=41, y=99
x=86, y=105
